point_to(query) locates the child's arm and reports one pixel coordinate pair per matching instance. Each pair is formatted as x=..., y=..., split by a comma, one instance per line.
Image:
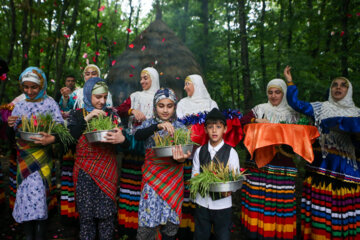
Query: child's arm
x=234, y=162
x=144, y=133
x=196, y=163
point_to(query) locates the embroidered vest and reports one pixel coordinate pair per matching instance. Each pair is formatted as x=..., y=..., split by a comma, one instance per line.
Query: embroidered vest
x=222, y=155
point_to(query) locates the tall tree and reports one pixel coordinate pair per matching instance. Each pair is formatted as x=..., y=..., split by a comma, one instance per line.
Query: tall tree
x=129, y=22
x=279, y=43
x=244, y=56
x=344, y=41
x=262, y=47
x=26, y=32
x=204, y=18
x=228, y=44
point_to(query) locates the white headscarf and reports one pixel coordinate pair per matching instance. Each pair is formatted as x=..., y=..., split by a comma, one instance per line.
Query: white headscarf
x=93, y=66
x=332, y=108
x=143, y=100
x=200, y=101
x=280, y=113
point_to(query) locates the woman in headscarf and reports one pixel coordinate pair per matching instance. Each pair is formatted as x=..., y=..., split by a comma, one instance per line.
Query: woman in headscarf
x=138, y=107
x=268, y=201
x=162, y=184
x=331, y=190
x=95, y=169
x=90, y=71
x=34, y=183
x=67, y=200
x=198, y=101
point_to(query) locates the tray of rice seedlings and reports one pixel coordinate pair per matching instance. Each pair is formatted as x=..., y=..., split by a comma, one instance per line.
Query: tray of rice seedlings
x=216, y=178
x=165, y=144
x=30, y=127
x=98, y=128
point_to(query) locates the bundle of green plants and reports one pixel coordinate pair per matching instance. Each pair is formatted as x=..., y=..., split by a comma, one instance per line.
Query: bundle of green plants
x=102, y=123
x=45, y=123
x=181, y=136
x=301, y=121
x=215, y=172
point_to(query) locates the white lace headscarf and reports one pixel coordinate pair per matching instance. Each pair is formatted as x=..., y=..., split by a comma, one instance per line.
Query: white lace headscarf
x=200, y=101
x=280, y=113
x=143, y=100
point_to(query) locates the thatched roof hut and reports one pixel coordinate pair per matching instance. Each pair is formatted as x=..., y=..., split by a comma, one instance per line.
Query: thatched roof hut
x=159, y=47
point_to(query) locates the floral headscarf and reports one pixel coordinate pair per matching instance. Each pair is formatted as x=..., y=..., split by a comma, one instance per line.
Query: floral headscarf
x=164, y=93
x=35, y=75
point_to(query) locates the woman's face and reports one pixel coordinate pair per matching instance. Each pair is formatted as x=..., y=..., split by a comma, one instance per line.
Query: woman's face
x=275, y=96
x=99, y=100
x=145, y=81
x=90, y=73
x=189, y=88
x=165, y=109
x=31, y=89
x=339, y=89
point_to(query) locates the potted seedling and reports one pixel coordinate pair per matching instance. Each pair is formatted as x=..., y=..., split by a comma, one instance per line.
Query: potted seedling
x=97, y=128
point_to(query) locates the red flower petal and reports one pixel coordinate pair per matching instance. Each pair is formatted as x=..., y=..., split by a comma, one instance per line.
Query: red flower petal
x=129, y=30
x=3, y=77
x=99, y=24
x=97, y=53
x=42, y=66
x=146, y=196
x=67, y=36
x=342, y=33
x=163, y=40
x=85, y=55
x=88, y=44
x=113, y=62
x=101, y=9
x=74, y=97
x=177, y=78
x=143, y=48
x=131, y=46
x=358, y=14
x=25, y=55
x=132, y=66
x=94, y=59
x=114, y=43
x=131, y=75
x=349, y=15
x=41, y=50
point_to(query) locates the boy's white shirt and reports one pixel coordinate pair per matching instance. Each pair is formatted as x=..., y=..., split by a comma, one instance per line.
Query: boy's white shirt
x=233, y=163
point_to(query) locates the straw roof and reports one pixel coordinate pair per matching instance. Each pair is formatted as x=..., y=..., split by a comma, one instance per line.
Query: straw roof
x=157, y=46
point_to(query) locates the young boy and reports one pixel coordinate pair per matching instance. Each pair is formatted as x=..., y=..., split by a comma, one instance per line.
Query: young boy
x=208, y=211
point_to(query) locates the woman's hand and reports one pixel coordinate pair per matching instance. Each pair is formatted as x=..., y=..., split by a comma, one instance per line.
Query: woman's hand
x=261, y=120
x=139, y=116
x=12, y=120
x=46, y=139
x=287, y=74
x=114, y=137
x=94, y=113
x=178, y=154
x=167, y=126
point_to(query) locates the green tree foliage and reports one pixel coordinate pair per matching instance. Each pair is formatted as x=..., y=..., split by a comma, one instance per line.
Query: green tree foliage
x=319, y=39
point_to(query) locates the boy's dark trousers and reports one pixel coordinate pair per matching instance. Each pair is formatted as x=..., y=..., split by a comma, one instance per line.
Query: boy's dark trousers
x=221, y=220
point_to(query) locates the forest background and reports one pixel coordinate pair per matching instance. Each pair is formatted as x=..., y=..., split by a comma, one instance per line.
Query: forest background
x=240, y=45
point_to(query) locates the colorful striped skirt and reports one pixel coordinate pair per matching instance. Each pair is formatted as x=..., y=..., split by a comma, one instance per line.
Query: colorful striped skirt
x=187, y=224
x=12, y=178
x=130, y=191
x=330, y=208
x=2, y=187
x=268, y=201
x=67, y=191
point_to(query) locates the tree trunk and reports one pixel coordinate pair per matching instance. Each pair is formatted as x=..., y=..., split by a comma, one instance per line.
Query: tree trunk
x=11, y=47
x=262, y=47
x=230, y=75
x=205, y=20
x=25, y=35
x=37, y=34
x=96, y=30
x=69, y=31
x=50, y=48
x=129, y=23
x=184, y=22
x=244, y=57
x=290, y=20
x=344, y=40
x=137, y=19
x=279, y=45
